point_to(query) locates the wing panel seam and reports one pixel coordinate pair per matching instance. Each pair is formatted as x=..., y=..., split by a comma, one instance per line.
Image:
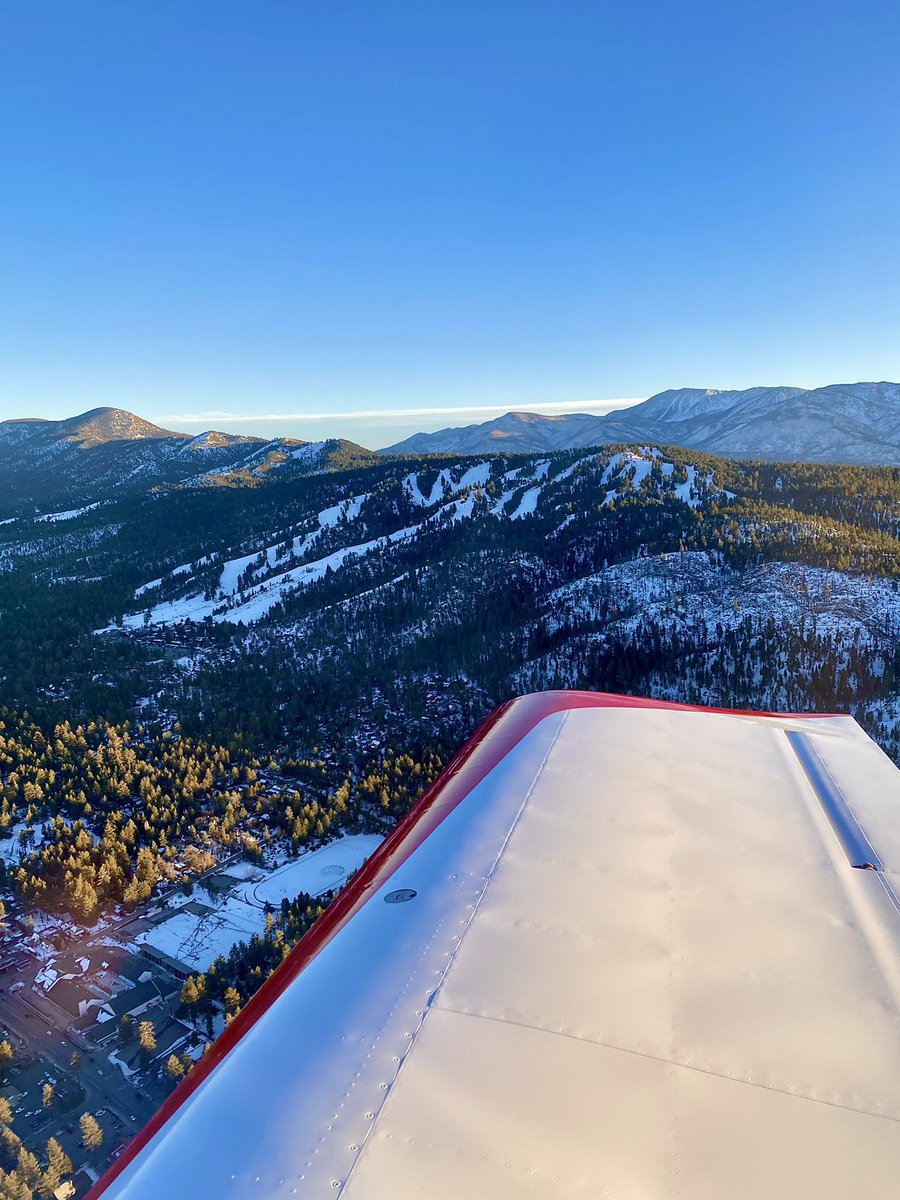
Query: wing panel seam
x=430, y=1002
x=604, y=1045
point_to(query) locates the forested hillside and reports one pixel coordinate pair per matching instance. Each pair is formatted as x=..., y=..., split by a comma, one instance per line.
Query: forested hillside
x=193, y=667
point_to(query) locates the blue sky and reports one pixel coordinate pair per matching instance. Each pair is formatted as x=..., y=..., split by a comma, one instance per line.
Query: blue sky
x=288, y=213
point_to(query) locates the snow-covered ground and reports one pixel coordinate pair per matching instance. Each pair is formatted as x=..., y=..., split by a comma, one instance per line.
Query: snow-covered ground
x=197, y=939
x=526, y=505
x=251, y=584
x=476, y=476
x=308, y=453
x=69, y=514
x=11, y=848
x=693, y=588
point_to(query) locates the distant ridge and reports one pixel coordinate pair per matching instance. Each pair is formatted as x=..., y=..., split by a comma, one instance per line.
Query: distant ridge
x=840, y=423
x=73, y=461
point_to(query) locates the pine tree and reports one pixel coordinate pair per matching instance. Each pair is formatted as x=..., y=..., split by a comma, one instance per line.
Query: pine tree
x=7, y=1054
x=6, y=1112
x=57, y=1159
x=10, y=1140
x=147, y=1038
x=91, y=1133
x=189, y=993
x=47, y=1095
x=174, y=1067
x=14, y=1187
x=28, y=1165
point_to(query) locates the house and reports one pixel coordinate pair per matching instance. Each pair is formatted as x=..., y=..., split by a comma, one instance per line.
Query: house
x=173, y=966
x=117, y=968
x=133, y=1001
x=63, y=966
x=73, y=996
x=168, y=1037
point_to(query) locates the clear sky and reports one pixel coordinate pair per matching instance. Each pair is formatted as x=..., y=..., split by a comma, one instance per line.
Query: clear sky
x=272, y=210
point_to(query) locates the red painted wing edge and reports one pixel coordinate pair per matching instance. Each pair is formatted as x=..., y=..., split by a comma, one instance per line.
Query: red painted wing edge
x=491, y=742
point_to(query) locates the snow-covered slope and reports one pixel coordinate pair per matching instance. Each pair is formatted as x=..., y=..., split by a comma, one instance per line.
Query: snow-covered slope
x=428, y=590
x=853, y=423
x=245, y=584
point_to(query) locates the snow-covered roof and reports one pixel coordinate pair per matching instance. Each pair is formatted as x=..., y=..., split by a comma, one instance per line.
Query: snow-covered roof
x=199, y=931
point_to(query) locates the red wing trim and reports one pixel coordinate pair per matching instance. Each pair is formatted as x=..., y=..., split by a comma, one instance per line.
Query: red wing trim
x=491, y=742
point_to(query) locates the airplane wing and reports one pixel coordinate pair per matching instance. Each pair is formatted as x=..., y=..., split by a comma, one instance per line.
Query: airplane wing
x=621, y=948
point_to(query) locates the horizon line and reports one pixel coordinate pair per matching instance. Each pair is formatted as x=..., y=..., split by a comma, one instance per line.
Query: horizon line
x=394, y=413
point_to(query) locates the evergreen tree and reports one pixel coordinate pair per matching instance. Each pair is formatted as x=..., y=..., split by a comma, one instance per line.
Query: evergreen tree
x=174, y=1067
x=91, y=1133
x=147, y=1038
x=28, y=1166
x=58, y=1162
x=189, y=994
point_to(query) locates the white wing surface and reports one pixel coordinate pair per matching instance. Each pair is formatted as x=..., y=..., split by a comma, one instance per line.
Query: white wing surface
x=621, y=949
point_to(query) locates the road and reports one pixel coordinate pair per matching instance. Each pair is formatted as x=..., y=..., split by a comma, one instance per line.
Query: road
x=103, y=1083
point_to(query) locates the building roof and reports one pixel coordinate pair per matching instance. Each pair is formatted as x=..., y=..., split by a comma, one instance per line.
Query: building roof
x=74, y=962
x=132, y=999
x=168, y=1036
x=619, y=948
x=129, y=966
x=68, y=994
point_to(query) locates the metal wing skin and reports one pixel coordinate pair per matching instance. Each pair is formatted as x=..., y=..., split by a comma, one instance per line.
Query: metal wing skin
x=620, y=949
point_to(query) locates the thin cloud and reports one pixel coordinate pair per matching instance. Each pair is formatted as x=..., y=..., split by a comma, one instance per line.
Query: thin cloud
x=390, y=414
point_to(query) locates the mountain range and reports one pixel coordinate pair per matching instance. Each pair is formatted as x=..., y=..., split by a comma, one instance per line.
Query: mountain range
x=67, y=464
x=75, y=461
x=842, y=423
